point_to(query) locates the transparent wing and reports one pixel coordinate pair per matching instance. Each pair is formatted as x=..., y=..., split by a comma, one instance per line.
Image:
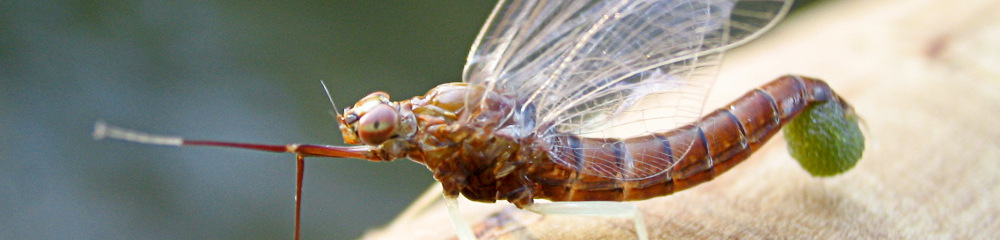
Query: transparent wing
x=610, y=69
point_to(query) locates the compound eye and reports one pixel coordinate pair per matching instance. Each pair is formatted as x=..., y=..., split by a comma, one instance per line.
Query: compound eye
x=377, y=125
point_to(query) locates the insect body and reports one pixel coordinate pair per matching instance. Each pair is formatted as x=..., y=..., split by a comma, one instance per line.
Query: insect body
x=483, y=161
x=549, y=88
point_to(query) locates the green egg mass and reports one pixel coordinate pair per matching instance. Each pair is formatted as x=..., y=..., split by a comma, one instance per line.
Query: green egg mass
x=825, y=139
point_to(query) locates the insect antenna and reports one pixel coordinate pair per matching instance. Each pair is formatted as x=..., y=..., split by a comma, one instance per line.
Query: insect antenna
x=330, y=97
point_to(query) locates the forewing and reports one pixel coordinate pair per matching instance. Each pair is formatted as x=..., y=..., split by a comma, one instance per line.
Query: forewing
x=610, y=69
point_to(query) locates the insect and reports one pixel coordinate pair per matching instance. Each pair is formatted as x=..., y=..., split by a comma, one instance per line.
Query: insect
x=589, y=103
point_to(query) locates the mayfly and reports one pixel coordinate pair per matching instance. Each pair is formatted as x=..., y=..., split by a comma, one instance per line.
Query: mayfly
x=584, y=103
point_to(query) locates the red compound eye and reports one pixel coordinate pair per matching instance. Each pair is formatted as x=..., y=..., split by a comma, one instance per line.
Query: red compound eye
x=377, y=125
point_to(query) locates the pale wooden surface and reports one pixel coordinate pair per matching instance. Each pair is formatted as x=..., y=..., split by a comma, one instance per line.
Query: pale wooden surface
x=924, y=75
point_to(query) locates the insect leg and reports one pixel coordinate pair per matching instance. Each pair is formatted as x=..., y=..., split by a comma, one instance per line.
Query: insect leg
x=596, y=208
x=462, y=229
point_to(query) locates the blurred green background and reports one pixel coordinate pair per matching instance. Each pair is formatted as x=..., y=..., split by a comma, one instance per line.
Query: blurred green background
x=227, y=70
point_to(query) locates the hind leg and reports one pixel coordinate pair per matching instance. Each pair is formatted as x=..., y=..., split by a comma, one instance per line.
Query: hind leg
x=602, y=209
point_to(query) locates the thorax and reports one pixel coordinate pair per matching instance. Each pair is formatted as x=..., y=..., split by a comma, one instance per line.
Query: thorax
x=469, y=138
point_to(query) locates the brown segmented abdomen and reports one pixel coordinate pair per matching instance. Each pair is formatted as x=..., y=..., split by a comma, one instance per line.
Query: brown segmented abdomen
x=713, y=145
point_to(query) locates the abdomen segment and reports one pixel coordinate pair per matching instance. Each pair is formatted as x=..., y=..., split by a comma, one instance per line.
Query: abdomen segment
x=698, y=152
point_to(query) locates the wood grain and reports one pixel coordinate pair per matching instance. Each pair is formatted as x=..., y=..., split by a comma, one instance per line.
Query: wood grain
x=924, y=75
